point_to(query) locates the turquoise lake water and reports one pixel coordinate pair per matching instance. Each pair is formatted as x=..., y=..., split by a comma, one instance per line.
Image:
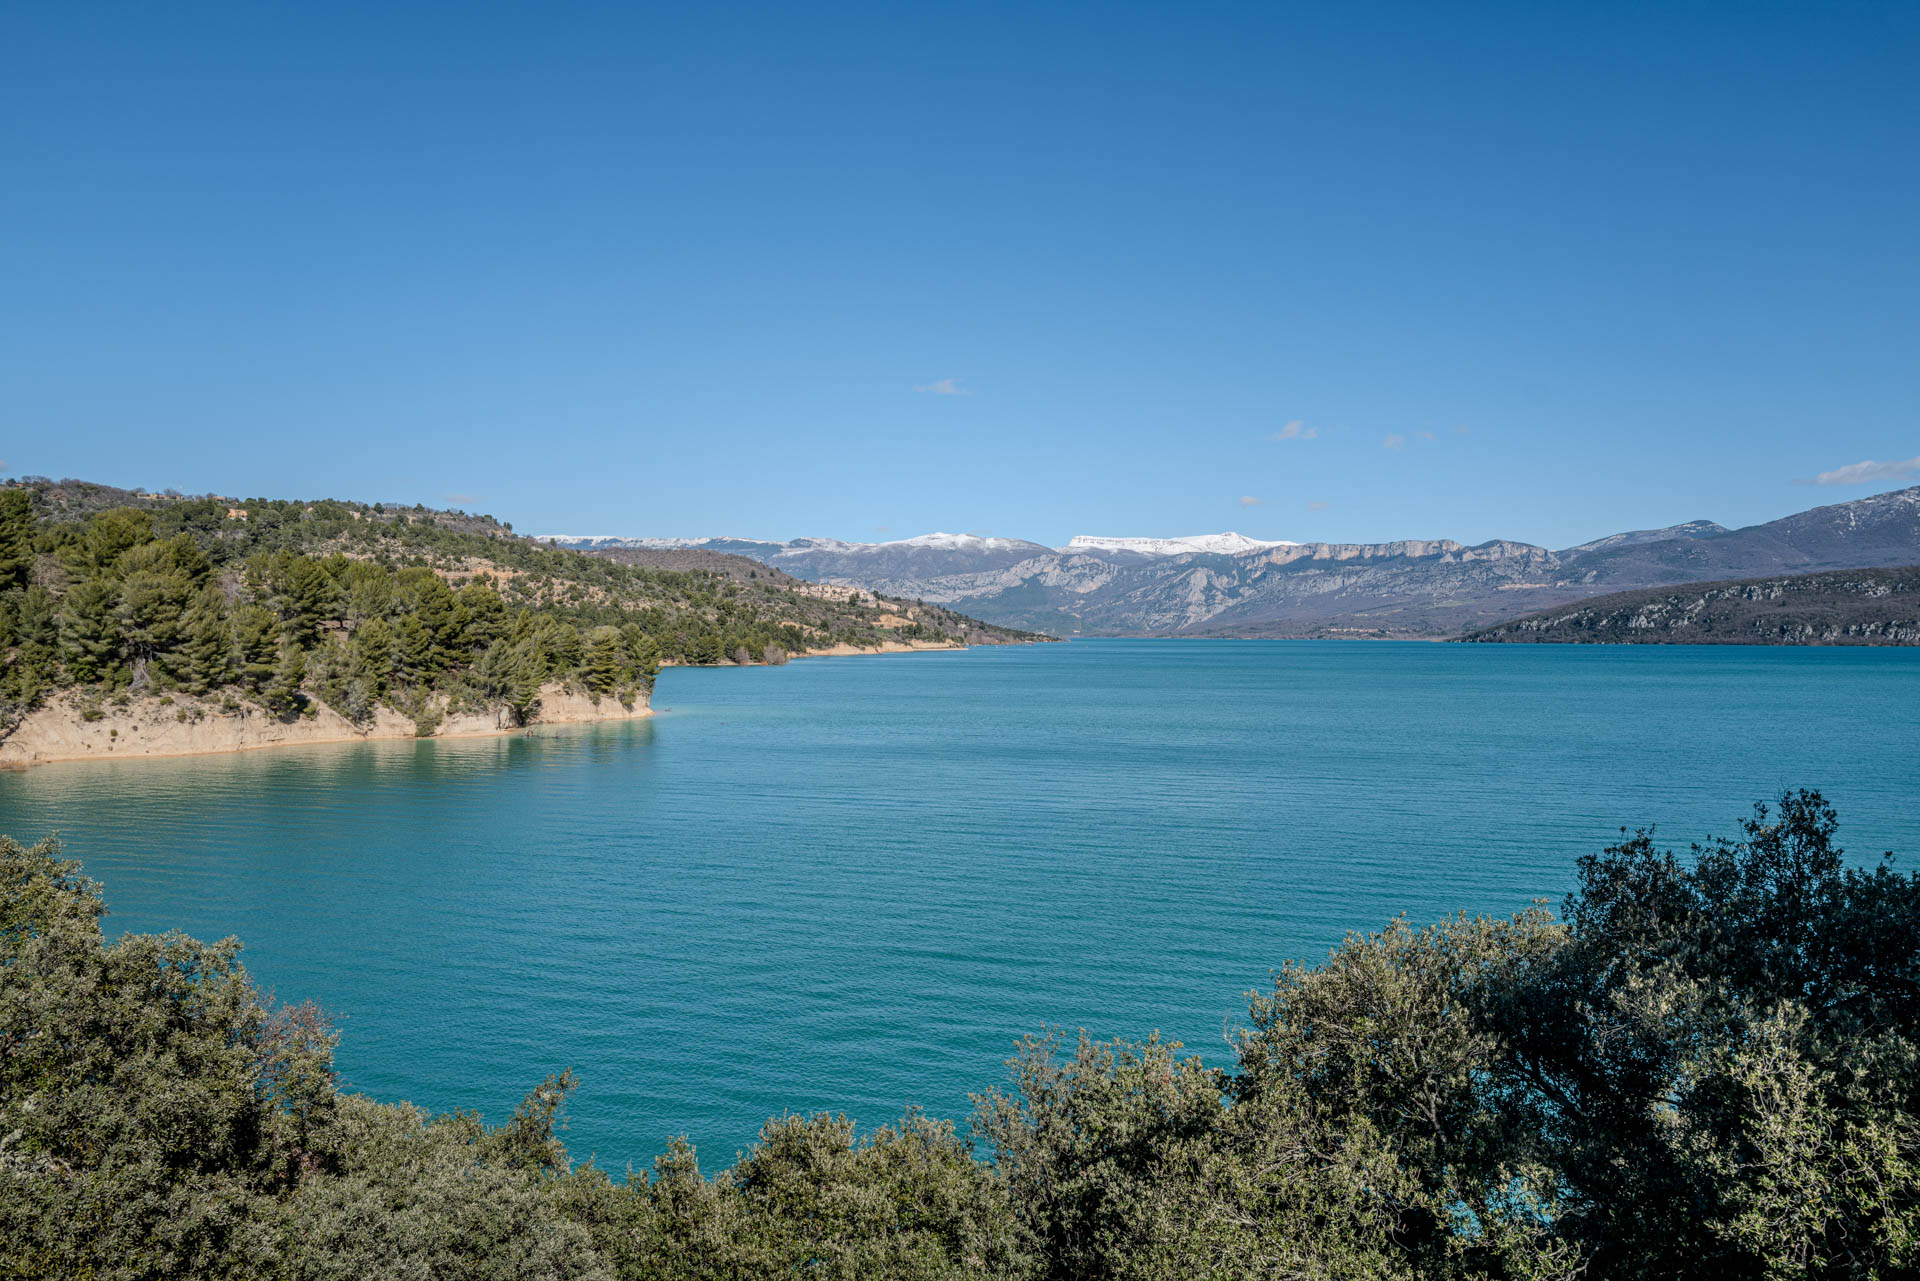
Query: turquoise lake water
x=852, y=883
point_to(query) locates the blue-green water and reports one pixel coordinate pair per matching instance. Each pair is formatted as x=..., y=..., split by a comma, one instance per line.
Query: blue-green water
x=851, y=883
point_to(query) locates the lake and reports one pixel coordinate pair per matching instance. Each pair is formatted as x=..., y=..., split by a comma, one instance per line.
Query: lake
x=851, y=883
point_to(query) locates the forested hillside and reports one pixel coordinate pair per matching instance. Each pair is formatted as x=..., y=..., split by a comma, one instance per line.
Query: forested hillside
x=280, y=603
x=1706, y=1066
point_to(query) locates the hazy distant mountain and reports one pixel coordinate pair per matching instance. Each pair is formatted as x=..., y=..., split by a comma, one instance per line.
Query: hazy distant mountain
x=1228, y=584
x=1692, y=529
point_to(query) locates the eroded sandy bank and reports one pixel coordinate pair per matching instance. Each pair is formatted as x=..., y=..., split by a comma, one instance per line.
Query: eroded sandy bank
x=182, y=726
x=179, y=725
x=888, y=647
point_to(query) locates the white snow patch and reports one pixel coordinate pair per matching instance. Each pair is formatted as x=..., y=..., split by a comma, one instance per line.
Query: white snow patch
x=1228, y=544
x=957, y=542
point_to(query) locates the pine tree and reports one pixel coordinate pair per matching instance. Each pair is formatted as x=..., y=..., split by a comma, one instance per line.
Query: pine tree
x=308, y=597
x=486, y=615
x=643, y=651
x=563, y=648
x=16, y=539
x=706, y=650
x=34, y=634
x=89, y=635
x=36, y=629
x=186, y=558
x=492, y=673
x=108, y=536
x=282, y=695
x=369, y=590
x=205, y=657
x=604, y=668
x=149, y=612
x=256, y=645
x=371, y=650
x=413, y=650
x=523, y=694
x=424, y=595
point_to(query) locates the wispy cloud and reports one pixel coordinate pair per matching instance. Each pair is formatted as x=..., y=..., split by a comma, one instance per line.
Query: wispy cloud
x=945, y=387
x=1427, y=435
x=1316, y=506
x=1248, y=500
x=881, y=529
x=1460, y=430
x=1395, y=440
x=1296, y=430
x=1866, y=473
x=461, y=500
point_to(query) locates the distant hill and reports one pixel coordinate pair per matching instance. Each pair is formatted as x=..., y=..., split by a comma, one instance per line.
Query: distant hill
x=1877, y=531
x=1231, y=585
x=682, y=560
x=1843, y=607
x=1634, y=537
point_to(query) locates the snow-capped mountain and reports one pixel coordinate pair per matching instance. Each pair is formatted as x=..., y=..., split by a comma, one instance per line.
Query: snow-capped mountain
x=1207, y=544
x=1230, y=584
x=1227, y=544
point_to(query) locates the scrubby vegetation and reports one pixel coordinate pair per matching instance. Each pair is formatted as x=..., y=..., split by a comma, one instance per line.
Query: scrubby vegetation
x=1706, y=1065
x=355, y=605
x=1840, y=607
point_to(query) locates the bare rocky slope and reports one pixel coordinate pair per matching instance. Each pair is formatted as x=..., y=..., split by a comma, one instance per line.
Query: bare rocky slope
x=1428, y=587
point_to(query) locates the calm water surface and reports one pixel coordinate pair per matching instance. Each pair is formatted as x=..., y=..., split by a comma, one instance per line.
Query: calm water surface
x=851, y=883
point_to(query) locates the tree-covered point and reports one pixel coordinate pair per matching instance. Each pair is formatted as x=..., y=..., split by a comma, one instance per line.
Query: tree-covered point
x=1706, y=1066
x=357, y=604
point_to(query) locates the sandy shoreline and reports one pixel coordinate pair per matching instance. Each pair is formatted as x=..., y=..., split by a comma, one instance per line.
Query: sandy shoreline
x=180, y=725
x=149, y=727
x=888, y=647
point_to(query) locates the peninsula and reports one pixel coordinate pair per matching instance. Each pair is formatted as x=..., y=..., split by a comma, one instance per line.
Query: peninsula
x=1850, y=607
x=144, y=624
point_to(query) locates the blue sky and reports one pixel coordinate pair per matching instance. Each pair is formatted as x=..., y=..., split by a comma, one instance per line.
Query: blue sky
x=1530, y=271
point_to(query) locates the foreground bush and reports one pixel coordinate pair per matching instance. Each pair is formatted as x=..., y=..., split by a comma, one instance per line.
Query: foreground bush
x=1707, y=1065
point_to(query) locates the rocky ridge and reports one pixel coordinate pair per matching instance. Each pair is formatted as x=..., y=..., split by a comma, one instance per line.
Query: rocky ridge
x=1411, y=587
x=1848, y=607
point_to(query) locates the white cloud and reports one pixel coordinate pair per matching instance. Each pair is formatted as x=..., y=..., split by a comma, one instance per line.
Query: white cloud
x=461, y=500
x=1248, y=500
x=1427, y=435
x=1866, y=473
x=945, y=387
x=1316, y=506
x=1395, y=440
x=1296, y=430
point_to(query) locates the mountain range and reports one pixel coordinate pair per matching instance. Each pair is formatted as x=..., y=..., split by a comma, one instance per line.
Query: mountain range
x=1232, y=585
